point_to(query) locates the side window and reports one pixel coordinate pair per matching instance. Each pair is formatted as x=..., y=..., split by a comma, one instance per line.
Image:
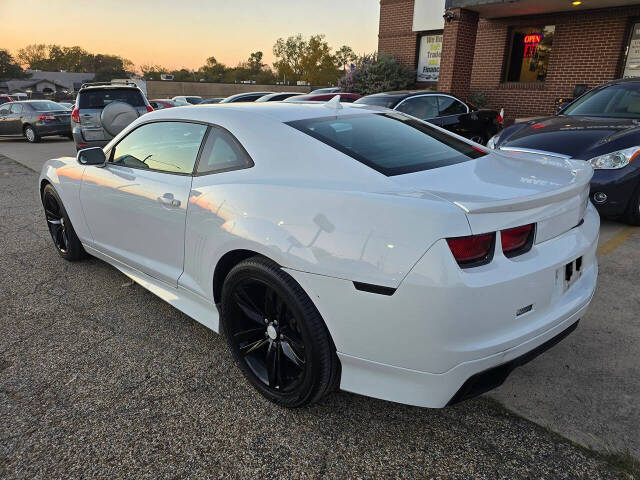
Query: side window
x=450, y=106
x=420, y=107
x=16, y=108
x=4, y=110
x=164, y=146
x=222, y=152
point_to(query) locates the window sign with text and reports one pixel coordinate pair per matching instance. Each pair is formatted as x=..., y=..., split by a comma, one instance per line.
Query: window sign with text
x=429, y=58
x=632, y=65
x=529, y=54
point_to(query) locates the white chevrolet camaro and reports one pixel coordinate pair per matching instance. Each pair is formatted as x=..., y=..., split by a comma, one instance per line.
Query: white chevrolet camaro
x=338, y=247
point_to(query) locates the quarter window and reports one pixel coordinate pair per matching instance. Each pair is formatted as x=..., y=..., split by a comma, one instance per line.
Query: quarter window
x=450, y=106
x=529, y=54
x=222, y=152
x=164, y=146
x=17, y=108
x=420, y=107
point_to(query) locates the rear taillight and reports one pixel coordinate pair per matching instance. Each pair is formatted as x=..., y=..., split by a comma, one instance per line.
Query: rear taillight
x=75, y=116
x=473, y=250
x=517, y=241
x=149, y=108
x=500, y=118
x=46, y=116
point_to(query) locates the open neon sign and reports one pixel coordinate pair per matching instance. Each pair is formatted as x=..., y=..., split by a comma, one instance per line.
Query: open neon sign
x=531, y=42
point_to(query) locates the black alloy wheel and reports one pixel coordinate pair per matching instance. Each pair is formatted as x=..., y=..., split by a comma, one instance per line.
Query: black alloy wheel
x=276, y=334
x=62, y=233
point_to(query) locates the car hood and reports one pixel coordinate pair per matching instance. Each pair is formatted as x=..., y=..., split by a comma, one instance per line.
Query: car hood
x=569, y=135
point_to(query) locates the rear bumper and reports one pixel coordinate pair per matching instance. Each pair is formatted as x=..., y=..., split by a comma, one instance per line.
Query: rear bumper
x=423, y=389
x=617, y=185
x=444, y=325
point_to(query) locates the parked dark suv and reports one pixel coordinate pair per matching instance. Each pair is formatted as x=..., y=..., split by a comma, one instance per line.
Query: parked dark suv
x=102, y=110
x=33, y=119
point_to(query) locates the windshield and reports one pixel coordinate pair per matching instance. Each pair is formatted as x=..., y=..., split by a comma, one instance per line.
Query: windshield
x=46, y=106
x=618, y=101
x=391, y=143
x=386, y=101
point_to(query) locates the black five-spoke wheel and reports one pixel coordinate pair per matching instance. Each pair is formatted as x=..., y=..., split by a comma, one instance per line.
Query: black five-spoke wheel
x=277, y=336
x=62, y=233
x=267, y=335
x=55, y=222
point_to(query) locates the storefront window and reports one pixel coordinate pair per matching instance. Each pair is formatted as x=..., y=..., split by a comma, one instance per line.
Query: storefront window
x=529, y=52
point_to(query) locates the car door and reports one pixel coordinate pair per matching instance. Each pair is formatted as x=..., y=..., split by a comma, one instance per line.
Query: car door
x=451, y=113
x=424, y=107
x=136, y=205
x=4, y=116
x=14, y=119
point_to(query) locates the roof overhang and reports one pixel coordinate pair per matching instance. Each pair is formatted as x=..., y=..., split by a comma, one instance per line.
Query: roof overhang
x=514, y=8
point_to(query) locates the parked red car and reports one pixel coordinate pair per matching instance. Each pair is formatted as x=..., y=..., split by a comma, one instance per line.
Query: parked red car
x=160, y=103
x=324, y=97
x=5, y=99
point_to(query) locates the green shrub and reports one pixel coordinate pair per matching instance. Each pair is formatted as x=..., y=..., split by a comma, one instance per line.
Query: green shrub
x=374, y=73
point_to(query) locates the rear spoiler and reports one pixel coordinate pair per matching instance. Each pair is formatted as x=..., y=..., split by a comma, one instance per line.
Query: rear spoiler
x=578, y=186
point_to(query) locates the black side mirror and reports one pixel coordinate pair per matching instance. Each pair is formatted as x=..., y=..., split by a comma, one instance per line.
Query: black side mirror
x=92, y=156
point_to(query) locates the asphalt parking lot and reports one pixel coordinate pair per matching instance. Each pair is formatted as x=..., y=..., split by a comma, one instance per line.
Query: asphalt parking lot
x=101, y=379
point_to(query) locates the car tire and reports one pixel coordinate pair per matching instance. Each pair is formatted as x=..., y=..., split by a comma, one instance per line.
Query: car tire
x=31, y=135
x=60, y=228
x=632, y=214
x=276, y=334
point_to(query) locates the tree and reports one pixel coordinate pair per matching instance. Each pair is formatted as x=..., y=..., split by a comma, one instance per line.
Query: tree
x=9, y=68
x=288, y=55
x=33, y=56
x=152, y=72
x=74, y=59
x=345, y=55
x=255, y=62
x=376, y=73
x=317, y=62
x=310, y=60
x=212, y=71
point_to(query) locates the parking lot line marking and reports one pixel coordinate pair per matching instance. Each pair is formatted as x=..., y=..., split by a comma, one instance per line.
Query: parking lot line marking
x=618, y=239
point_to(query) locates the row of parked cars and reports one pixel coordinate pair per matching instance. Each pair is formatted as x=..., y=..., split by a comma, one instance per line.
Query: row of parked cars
x=601, y=126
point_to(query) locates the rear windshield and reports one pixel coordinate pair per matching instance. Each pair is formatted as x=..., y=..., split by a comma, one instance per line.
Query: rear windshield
x=391, y=143
x=46, y=106
x=100, y=98
x=378, y=101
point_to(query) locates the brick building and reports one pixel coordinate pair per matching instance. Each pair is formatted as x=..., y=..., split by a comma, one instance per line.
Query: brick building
x=524, y=55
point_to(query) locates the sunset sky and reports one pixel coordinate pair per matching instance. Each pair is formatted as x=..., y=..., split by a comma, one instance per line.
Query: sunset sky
x=183, y=33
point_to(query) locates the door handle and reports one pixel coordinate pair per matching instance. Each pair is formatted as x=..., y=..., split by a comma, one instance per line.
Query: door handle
x=168, y=200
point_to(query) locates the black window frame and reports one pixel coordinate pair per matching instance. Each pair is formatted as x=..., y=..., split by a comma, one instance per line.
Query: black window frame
x=109, y=153
x=420, y=125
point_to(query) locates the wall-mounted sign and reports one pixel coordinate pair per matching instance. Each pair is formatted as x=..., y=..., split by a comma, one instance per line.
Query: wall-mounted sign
x=429, y=58
x=632, y=65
